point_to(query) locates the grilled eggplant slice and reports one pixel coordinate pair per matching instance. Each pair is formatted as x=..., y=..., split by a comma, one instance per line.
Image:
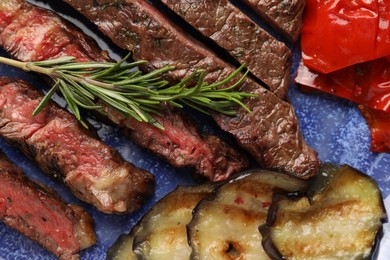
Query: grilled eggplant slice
x=339, y=220
x=226, y=226
x=161, y=233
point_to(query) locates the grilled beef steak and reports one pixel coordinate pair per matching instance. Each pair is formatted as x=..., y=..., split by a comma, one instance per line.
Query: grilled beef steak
x=30, y=33
x=270, y=132
x=267, y=58
x=64, y=149
x=41, y=215
x=182, y=145
x=284, y=15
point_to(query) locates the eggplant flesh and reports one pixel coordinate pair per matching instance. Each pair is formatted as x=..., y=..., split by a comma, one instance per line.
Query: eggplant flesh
x=122, y=249
x=340, y=220
x=226, y=225
x=161, y=233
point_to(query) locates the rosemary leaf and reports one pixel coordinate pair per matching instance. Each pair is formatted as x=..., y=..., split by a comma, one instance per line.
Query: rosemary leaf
x=46, y=98
x=112, y=68
x=68, y=95
x=123, y=108
x=78, y=86
x=196, y=107
x=229, y=78
x=55, y=62
x=123, y=75
x=85, y=65
x=145, y=76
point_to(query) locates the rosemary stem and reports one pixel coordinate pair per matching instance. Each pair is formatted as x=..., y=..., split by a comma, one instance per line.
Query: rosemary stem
x=91, y=81
x=27, y=66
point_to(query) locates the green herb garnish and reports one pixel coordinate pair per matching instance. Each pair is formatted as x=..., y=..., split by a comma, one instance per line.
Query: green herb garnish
x=126, y=89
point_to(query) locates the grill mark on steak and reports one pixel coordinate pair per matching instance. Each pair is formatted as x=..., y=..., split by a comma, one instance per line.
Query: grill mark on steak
x=270, y=132
x=267, y=58
x=64, y=149
x=38, y=212
x=285, y=16
x=30, y=33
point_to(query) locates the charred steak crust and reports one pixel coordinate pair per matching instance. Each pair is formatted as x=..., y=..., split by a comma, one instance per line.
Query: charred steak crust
x=267, y=58
x=270, y=132
x=64, y=149
x=284, y=15
x=40, y=214
x=30, y=33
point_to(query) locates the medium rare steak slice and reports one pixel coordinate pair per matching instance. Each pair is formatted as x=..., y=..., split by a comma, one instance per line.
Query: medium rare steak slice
x=267, y=58
x=284, y=15
x=181, y=144
x=30, y=33
x=270, y=132
x=64, y=149
x=40, y=214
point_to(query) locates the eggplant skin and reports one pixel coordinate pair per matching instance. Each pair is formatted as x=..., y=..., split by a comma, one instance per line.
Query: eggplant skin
x=224, y=226
x=161, y=233
x=340, y=221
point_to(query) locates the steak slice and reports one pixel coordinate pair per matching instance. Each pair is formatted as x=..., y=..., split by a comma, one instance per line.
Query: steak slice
x=38, y=212
x=64, y=149
x=268, y=59
x=181, y=144
x=270, y=132
x=284, y=15
x=30, y=33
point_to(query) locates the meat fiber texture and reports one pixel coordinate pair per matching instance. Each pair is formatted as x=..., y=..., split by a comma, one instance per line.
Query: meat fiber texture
x=64, y=149
x=181, y=144
x=30, y=33
x=270, y=132
x=39, y=213
x=285, y=16
x=267, y=58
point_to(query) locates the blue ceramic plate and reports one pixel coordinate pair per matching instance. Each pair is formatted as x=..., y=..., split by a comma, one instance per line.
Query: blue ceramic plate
x=332, y=126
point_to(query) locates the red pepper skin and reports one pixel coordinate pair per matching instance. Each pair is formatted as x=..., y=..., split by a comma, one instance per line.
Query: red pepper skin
x=366, y=83
x=340, y=33
x=379, y=123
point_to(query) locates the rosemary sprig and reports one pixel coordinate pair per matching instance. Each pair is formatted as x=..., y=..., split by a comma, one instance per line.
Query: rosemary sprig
x=126, y=89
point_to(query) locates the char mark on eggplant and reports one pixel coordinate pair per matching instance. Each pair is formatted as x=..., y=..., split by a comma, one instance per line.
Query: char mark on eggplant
x=38, y=212
x=270, y=132
x=267, y=58
x=64, y=149
x=30, y=33
x=285, y=16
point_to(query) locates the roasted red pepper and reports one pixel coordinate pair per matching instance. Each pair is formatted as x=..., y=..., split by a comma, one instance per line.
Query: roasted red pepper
x=366, y=83
x=379, y=123
x=340, y=33
x=346, y=52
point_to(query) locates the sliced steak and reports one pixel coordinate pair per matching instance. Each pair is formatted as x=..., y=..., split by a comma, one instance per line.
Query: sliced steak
x=270, y=132
x=40, y=214
x=30, y=33
x=181, y=144
x=64, y=149
x=284, y=15
x=267, y=58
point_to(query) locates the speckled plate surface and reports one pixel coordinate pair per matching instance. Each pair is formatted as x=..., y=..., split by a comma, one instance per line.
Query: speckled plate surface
x=332, y=126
